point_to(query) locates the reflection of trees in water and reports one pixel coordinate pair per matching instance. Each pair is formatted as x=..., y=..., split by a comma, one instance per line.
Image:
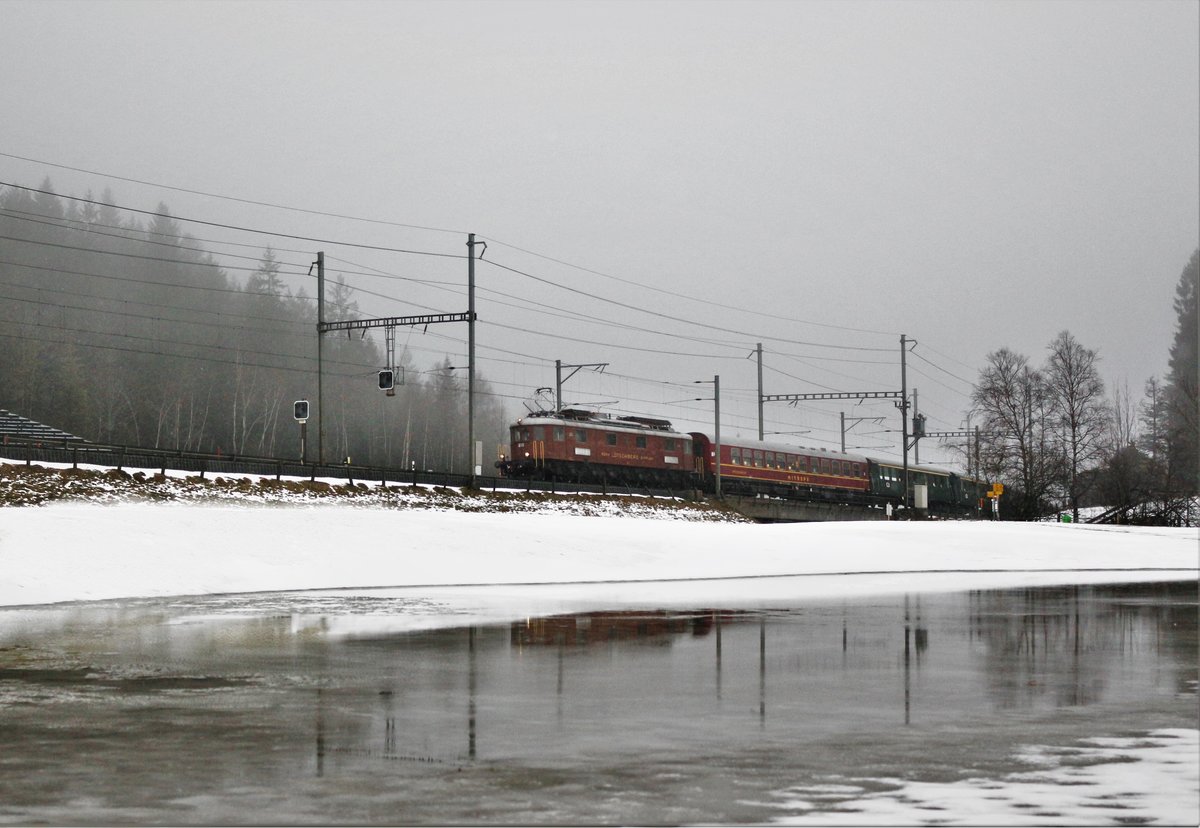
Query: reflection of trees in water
x=1060, y=645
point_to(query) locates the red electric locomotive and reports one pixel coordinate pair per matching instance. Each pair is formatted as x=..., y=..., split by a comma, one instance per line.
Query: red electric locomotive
x=777, y=469
x=588, y=447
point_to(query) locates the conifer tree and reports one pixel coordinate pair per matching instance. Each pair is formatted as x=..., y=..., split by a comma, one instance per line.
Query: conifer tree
x=1183, y=383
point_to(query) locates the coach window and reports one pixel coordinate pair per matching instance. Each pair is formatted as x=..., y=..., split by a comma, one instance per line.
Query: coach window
x=610, y=438
x=758, y=458
x=735, y=455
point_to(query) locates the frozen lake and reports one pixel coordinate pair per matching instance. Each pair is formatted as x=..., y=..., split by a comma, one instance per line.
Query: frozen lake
x=1067, y=705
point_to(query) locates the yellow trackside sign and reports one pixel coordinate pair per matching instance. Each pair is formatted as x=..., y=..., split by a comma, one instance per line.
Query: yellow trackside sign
x=997, y=490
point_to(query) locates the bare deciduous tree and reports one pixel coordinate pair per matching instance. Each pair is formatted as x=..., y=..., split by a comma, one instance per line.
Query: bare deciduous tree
x=1012, y=401
x=1077, y=403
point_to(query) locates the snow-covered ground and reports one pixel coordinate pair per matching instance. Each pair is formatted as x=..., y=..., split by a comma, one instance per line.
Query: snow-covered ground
x=1151, y=780
x=104, y=535
x=494, y=564
x=87, y=551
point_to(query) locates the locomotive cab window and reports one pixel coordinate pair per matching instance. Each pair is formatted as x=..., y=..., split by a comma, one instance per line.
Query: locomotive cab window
x=581, y=435
x=669, y=444
x=558, y=433
x=610, y=438
x=641, y=440
x=539, y=433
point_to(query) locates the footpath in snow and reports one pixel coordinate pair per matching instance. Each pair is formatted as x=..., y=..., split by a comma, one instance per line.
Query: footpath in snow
x=86, y=551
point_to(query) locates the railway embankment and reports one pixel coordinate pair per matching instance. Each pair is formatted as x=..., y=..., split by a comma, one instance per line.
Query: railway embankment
x=36, y=484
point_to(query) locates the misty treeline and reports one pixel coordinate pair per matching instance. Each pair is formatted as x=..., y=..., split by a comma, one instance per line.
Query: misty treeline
x=127, y=331
x=1058, y=439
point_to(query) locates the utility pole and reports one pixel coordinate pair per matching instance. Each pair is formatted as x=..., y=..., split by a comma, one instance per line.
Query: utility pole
x=760, y=393
x=472, y=465
x=916, y=434
x=320, y=367
x=349, y=325
x=853, y=422
x=978, y=469
x=717, y=429
x=903, y=406
x=716, y=398
x=558, y=377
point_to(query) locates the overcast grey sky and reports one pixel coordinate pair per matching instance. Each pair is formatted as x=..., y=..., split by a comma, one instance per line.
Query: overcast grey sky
x=972, y=174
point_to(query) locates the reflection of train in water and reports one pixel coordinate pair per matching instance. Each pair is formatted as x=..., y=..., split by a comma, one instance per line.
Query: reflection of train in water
x=581, y=446
x=604, y=627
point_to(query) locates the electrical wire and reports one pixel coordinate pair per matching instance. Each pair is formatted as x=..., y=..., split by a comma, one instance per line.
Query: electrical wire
x=660, y=315
x=230, y=198
x=675, y=295
x=236, y=227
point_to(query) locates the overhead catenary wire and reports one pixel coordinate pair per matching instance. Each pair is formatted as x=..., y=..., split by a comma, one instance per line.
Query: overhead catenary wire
x=567, y=314
x=376, y=247
x=252, y=202
x=129, y=236
x=674, y=294
x=943, y=370
x=384, y=222
x=239, y=228
x=658, y=314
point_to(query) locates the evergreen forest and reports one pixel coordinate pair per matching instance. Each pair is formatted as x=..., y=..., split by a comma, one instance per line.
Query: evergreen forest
x=123, y=329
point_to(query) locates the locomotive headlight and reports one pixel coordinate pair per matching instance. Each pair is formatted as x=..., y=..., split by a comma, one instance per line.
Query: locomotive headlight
x=526, y=454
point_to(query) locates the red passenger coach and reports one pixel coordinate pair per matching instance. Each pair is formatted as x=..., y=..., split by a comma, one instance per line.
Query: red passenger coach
x=753, y=467
x=587, y=447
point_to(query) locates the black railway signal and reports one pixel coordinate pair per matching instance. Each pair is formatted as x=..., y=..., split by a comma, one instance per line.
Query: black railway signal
x=386, y=380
